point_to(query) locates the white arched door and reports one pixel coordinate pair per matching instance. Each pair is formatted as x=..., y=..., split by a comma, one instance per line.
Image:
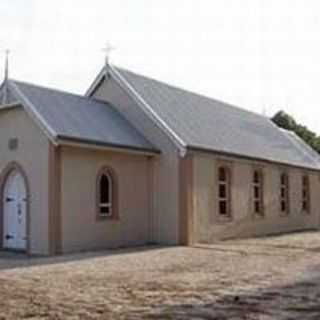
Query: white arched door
x=15, y=212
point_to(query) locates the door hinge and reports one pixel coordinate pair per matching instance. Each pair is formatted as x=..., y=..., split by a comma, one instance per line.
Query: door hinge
x=8, y=237
x=8, y=199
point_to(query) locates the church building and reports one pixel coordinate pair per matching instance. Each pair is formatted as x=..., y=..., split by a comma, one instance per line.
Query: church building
x=136, y=161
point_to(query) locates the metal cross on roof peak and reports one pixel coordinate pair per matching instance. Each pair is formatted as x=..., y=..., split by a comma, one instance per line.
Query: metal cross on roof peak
x=107, y=49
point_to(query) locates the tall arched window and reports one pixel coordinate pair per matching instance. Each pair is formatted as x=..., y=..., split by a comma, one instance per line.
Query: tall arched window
x=106, y=194
x=224, y=192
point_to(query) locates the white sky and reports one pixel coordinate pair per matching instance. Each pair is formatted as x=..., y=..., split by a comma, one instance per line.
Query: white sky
x=258, y=54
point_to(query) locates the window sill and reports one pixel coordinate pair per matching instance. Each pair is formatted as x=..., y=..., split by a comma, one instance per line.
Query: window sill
x=258, y=216
x=107, y=218
x=222, y=219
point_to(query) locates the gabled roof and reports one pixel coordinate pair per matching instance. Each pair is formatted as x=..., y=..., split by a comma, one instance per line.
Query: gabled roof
x=74, y=118
x=206, y=124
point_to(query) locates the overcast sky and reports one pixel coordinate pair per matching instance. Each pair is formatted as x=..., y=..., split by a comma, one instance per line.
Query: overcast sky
x=257, y=54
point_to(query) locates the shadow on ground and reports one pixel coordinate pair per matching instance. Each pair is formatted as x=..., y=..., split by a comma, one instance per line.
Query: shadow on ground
x=298, y=300
x=14, y=260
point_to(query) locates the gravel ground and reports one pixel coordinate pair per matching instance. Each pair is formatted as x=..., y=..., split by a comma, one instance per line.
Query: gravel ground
x=266, y=278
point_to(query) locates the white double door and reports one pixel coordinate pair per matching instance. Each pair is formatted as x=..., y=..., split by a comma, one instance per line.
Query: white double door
x=14, y=212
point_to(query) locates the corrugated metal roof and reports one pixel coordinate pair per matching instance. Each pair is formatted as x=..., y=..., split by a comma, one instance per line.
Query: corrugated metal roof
x=80, y=118
x=209, y=124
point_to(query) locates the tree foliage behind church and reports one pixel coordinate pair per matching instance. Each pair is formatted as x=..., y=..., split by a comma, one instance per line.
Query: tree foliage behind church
x=285, y=121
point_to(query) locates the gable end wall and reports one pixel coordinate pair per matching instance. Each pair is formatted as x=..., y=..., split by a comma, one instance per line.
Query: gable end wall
x=165, y=167
x=32, y=156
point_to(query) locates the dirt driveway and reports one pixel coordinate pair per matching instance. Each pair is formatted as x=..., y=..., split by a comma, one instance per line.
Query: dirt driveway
x=271, y=278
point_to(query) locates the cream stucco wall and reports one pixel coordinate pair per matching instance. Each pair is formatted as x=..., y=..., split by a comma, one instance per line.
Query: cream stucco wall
x=165, y=167
x=32, y=156
x=207, y=225
x=80, y=228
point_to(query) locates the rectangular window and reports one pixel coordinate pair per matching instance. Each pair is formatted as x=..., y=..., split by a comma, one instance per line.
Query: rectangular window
x=305, y=194
x=223, y=207
x=257, y=190
x=224, y=192
x=284, y=193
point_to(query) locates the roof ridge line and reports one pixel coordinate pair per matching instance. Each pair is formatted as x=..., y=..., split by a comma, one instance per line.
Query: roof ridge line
x=174, y=136
x=101, y=75
x=189, y=91
x=17, y=82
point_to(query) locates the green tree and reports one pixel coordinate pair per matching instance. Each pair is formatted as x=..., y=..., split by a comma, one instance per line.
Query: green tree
x=285, y=121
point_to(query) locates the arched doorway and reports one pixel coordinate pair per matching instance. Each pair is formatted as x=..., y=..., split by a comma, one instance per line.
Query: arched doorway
x=14, y=206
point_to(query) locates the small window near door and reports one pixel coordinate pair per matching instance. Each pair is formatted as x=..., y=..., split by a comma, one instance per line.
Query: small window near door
x=257, y=190
x=284, y=194
x=224, y=193
x=305, y=194
x=106, y=194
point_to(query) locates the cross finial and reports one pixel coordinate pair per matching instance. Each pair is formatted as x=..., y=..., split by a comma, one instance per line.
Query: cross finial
x=6, y=68
x=107, y=49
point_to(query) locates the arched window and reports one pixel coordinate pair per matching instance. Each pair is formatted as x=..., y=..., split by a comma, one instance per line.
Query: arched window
x=257, y=190
x=106, y=194
x=284, y=194
x=305, y=194
x=224, y=192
